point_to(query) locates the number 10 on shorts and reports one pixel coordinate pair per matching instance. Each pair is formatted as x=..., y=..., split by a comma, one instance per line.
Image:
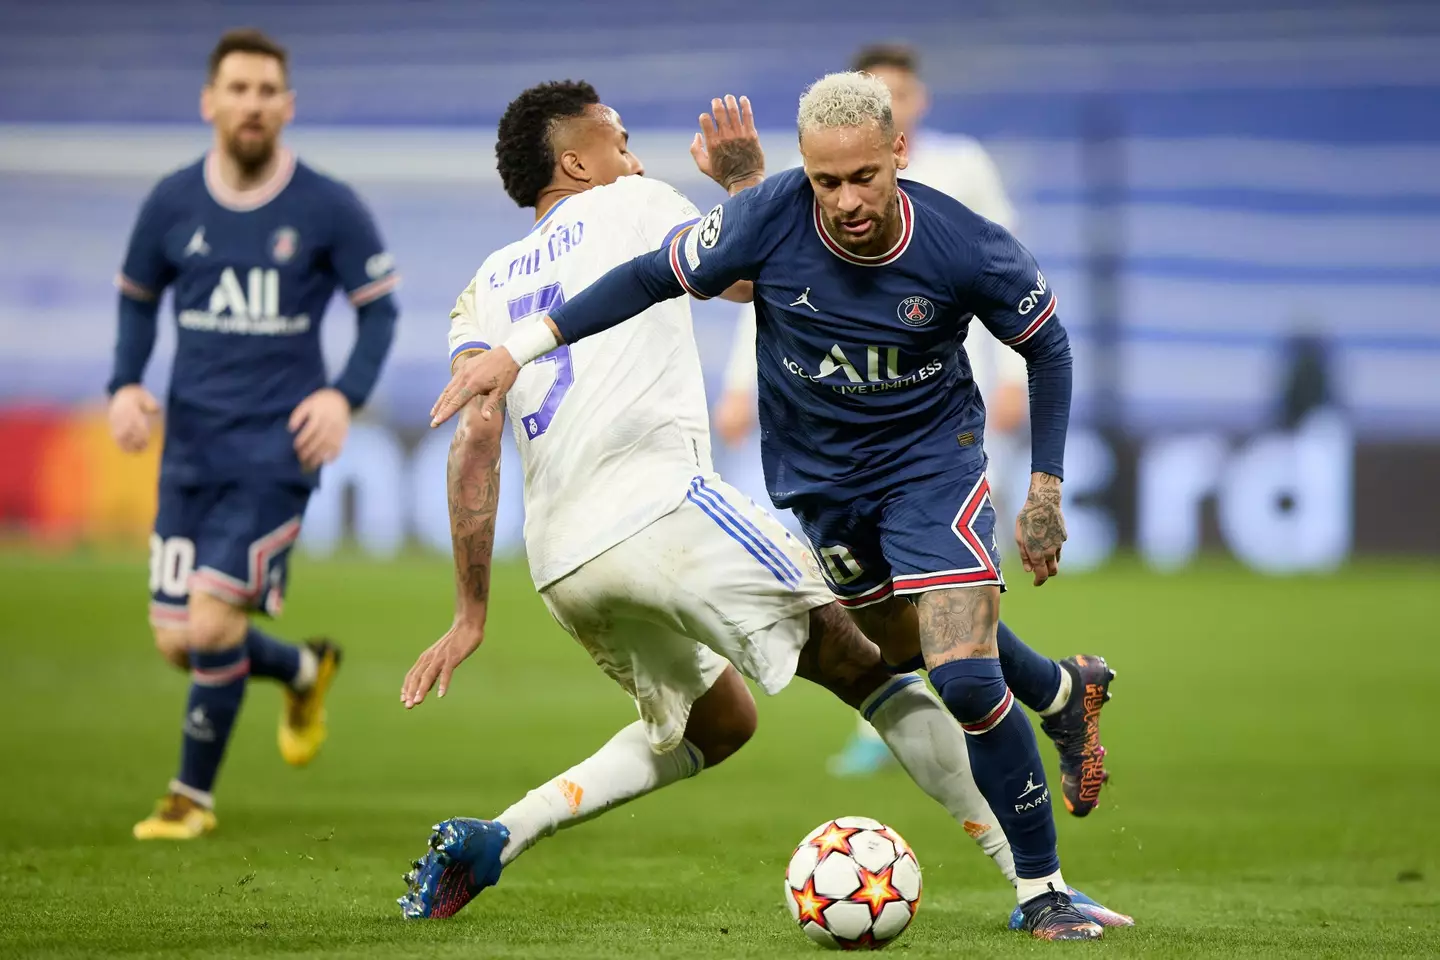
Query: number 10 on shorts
x=840, y=565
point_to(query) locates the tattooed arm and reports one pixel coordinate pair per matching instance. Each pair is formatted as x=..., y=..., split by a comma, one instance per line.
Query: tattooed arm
x=1040, y=528
x=727, y=148
x=472, y=475
x=473, y=483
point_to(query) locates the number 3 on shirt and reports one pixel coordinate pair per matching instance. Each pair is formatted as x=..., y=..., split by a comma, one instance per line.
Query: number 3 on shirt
x=544, y=300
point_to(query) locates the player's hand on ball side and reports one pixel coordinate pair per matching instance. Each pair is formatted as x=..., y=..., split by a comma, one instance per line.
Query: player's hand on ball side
x=727, y=148
x=1040, y=528
x=320, y=424
x=438, y=663
x=130, y=413
x=489, y=375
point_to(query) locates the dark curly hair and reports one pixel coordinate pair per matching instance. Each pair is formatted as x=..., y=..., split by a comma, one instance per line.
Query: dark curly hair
x=523, y=152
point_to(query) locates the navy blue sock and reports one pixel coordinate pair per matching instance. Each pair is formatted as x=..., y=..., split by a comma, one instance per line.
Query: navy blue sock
x=1003, y=758
x=217, y=685
x=271, y=658
x=1035, y=678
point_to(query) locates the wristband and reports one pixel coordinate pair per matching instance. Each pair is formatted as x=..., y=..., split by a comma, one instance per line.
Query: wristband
x=530, y=340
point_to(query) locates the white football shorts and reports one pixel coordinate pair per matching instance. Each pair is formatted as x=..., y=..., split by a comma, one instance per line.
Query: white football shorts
x=717, y=581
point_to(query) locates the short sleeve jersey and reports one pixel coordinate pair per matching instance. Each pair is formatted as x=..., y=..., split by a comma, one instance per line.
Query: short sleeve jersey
x=612, y=430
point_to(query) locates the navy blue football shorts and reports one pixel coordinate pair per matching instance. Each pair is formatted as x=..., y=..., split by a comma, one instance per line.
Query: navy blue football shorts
x=932, y=534
x=231, y=540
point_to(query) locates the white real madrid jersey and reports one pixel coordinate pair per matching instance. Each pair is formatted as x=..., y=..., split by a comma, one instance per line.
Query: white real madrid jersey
x=611, y=430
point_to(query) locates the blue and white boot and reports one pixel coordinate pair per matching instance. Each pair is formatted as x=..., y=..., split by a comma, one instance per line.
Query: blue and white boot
x=463, y=859
x=1097, y=912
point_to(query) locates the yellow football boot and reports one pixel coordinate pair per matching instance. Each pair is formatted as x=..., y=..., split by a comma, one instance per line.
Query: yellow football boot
x=176, y=817
x=302, y=721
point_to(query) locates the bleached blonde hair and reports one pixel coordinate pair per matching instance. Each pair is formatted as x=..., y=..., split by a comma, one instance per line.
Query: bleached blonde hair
x=849, y=99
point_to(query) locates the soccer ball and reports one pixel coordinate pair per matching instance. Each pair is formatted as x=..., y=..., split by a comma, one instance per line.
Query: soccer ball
x=853, y=883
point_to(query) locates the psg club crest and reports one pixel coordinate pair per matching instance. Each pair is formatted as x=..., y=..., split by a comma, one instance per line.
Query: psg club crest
x=916, y=311
x=284, y=244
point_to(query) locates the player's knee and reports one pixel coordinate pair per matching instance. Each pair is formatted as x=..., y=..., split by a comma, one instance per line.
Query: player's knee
x=215, y=624
x=174, y=646
x=972, y=689
x=839, y=658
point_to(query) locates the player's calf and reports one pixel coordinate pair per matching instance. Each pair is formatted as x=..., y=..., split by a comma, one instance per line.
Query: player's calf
x=722, y=720
x=916, y=727
x=957, y=634
x=174, y=645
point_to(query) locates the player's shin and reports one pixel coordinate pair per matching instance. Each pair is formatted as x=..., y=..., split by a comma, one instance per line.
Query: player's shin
x=1036, y=680
x=620, y=771
x=1005, y=762
x=931, y=747
x=274, y=659
x=217, y=688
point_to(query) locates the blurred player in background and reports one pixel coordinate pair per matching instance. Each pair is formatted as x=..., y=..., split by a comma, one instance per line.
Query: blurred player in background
x=959, y=167
x=253, y=245
x=671, y=580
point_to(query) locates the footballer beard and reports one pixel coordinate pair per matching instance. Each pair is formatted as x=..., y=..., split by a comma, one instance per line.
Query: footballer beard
x=879, y=234
x=253, y=153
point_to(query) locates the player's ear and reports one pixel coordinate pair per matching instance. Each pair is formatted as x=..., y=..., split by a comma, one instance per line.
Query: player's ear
x=902, y=152
x=573, y=166
x=289, y=107
x=207, y=103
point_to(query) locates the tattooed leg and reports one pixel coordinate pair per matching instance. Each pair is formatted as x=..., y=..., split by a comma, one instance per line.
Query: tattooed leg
x=957, y=636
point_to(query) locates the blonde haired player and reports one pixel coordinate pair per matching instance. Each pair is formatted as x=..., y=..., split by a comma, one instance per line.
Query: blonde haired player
x=672, y=581
x=960, y=167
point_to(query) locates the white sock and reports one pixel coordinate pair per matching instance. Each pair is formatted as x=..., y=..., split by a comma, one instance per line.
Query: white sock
x=863, y=729
x=931, y=747
x=309, y=666
x=1030, y=889
x=1062, y=696
x=623, y=769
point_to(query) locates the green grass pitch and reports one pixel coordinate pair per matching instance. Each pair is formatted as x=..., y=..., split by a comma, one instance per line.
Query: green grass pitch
x=1274, y=791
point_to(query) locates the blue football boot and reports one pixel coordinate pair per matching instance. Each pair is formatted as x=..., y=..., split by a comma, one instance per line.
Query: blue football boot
x=463, y=859
x=1054, y=916
x=863, y=755
x=1095, y=911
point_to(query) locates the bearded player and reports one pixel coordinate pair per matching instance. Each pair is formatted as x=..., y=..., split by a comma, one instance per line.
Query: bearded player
x=252, y=243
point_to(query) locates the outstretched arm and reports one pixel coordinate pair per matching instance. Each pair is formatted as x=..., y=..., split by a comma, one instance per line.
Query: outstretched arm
x=473, y=485
x=697, y=259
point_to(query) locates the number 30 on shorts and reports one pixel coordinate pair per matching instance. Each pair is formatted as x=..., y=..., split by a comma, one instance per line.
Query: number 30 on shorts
x=171, y=562
x=840, y=564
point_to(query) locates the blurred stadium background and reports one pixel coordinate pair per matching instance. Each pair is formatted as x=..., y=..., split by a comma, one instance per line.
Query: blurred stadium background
x=1240, y=206
x=1239, y=203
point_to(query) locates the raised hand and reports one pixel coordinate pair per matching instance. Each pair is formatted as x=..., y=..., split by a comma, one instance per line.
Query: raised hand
x=489, y=375
x=727, y=148
x=1040, y=528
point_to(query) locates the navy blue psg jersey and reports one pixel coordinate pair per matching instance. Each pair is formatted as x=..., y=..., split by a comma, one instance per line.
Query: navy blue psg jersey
x=864, y=381
x=251, y=275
